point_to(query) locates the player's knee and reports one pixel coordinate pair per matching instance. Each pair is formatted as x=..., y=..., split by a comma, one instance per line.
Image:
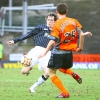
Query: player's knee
x=62, y=70
x=24, y=71
x=46, y=74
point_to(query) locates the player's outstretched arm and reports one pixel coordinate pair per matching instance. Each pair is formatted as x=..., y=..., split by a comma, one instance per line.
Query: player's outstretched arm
x=81, y=42
x=49, y=46
x=10, y=42
x=88, y=33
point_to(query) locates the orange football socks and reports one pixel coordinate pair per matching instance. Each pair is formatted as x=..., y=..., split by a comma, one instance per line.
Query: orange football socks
x=59, y=84
x=66, y=71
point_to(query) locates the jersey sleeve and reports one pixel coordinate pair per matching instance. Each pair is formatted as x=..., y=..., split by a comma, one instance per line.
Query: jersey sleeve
x=79, y=27
x=78, y=24
x=31, y=33
x=55, y=31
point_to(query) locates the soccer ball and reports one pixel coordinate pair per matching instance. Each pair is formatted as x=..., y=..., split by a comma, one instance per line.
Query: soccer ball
x=26, y=61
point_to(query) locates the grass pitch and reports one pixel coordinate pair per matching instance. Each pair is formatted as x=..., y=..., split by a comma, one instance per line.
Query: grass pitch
x=15, y=86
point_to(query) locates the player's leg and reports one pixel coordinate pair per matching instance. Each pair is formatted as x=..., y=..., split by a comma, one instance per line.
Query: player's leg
x=26, y=70
x=42, y=62
x=26, y=65
x=71, y=73
x=29, y=64
x=55, y=80
x=69, y=61
x=57, y=60
x=40, y=80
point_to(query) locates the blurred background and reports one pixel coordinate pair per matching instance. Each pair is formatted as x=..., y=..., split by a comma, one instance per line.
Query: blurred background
x=17, y=17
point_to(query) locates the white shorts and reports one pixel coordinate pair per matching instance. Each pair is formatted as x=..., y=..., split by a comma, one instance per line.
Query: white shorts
x=34, y=53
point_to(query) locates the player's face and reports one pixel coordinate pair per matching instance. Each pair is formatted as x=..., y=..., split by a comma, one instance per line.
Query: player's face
x=50, y=21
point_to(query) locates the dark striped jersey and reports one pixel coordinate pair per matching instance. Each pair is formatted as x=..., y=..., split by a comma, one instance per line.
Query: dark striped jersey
x=40, y=35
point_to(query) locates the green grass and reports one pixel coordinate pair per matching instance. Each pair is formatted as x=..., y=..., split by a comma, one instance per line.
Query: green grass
x=15, y=86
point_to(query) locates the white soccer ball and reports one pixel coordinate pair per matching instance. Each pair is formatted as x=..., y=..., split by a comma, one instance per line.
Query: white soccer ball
x=26, y=61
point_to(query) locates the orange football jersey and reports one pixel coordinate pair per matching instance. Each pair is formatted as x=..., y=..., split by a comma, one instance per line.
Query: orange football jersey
x=66, y=31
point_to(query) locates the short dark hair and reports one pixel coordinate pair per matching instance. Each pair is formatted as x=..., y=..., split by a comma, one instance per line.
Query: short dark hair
x=62, y=8
x=52, y=14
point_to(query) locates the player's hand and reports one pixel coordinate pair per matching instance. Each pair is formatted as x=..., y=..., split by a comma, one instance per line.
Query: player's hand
x=79, y=50
x=10, y=42
x=88, y=33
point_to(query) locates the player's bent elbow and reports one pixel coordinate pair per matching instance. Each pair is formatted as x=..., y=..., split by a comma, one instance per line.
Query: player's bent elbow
x=82, y=34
